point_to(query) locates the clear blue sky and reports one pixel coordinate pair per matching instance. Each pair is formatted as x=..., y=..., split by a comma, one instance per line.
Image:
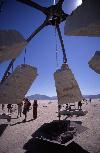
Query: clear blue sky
x=41, y=51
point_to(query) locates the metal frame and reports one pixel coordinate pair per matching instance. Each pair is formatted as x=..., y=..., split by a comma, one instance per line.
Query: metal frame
x=54, y=16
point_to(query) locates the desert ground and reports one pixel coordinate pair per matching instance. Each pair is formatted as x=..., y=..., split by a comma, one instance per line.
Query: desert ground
x=15, y=134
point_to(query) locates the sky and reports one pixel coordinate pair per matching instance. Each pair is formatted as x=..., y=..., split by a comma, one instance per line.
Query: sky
x=41, y=51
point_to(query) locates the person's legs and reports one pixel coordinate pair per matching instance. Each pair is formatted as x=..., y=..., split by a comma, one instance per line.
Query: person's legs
x=25, y=116
x=25, y=113
x=8, y=110
x=2, y=106
x=78, y=106
x=20, y=112
x=35, y=113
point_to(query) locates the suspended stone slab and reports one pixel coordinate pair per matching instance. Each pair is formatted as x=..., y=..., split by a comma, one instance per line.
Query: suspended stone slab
x=66, y=86
x=94, y=62
x=11, y=44
x=85, y=20
x=15, y=87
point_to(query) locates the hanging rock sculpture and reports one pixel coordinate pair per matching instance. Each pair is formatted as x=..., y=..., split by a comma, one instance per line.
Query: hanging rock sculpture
x=85, y=20
x=94, y=62
x=66, y=86
x=15, y=87
x=11, y=44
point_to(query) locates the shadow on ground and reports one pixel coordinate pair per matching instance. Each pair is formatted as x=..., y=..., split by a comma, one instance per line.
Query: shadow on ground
x=21, y=122
x=2, y=128
x=52, y=130
x=55, y=128
x=45, y=139
x=43, y=146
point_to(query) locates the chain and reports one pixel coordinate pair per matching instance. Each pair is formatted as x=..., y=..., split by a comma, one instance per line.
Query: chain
x=25, y=56
x=56, y=47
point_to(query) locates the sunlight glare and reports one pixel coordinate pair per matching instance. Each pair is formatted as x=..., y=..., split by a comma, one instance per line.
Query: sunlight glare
x=54, y=2
x=79, y=2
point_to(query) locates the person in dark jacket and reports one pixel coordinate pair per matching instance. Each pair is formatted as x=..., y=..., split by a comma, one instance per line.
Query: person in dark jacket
x=27, y=105
x=9, y=106
x=79, y=105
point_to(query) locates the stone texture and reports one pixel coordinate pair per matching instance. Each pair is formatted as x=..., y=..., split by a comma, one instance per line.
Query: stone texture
x=15, y=87
x=66, y=86
x=85, y=20
x=11, y=44
x=94, y=62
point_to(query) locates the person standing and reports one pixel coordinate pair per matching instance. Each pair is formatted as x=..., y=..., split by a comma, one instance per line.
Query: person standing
x=79, y=105
x=3, y=107
x=19, y=109
x=9, y=106
x=67, y=106
x=35, y=105
x=27, y=105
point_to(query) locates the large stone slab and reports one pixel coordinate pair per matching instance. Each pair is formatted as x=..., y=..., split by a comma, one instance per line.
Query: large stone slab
x=67, y=87
x=11, y=44
x=94, y=62
x=15, y=87
x=85, y=20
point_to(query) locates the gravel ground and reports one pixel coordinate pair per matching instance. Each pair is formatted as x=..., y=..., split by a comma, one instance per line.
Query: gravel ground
x=15, y=134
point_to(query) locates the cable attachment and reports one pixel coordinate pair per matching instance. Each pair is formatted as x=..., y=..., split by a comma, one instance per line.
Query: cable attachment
x=62, y=44
x=56, y=48
x=25, y=56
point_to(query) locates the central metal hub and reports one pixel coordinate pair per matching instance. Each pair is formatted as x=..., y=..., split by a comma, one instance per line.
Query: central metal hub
x=56, y=15
x=54, y=20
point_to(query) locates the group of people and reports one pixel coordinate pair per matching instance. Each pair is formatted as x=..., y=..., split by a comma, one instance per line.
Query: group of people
x=26, y=108
x=23, y=108
x=79, y=104
x=69, y=107
x=9, y=107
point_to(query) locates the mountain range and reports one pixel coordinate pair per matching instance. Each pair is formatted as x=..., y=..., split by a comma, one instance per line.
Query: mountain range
x=45, y=97
x=41, y=97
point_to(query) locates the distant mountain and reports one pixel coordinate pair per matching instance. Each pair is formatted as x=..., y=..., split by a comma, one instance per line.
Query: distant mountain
x=92, y=96
x=41, y=97
x=44, y=97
